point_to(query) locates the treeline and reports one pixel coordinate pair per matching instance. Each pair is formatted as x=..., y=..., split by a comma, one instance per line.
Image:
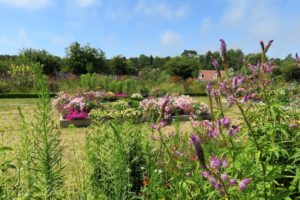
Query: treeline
x=82, y=59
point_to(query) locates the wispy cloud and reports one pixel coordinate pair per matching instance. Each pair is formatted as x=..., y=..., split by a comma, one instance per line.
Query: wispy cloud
x=26, y=4
x=86, y=3
x=161, y=9
x=171, y=40
x=247, y=22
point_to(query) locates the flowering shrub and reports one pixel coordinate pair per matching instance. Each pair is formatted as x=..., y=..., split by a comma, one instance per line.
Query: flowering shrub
x=172, y=105
x=77, y=106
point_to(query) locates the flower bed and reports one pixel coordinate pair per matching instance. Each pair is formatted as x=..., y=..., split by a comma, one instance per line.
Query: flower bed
x=119, y=110
x=75, y=109
x=173, y=107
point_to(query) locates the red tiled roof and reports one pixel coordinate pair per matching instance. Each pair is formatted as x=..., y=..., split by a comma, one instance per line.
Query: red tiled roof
x=209, y=75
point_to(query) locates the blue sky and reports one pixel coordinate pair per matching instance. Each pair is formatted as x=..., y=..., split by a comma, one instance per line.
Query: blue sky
x=157, y=27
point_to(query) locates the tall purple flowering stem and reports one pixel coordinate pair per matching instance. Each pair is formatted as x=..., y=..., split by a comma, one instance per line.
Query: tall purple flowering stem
x=256, y=144
x=223, y=54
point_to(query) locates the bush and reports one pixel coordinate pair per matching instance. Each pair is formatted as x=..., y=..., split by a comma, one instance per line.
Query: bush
x=4, y=87
x=23, y=95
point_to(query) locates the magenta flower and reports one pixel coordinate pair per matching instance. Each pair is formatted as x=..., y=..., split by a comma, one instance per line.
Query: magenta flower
x=205, y=174
x=232, y=181
x=75, y=114
x=244, y=183
x=224, y=177
x=225, y=122
x=215, y=163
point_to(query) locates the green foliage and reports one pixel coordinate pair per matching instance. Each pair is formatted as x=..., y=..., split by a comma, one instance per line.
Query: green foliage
x=182, y=66
x=83, y=59
x=7, y=179
x=116, y=157
x=41, y=153
x=88, y=81
x=119, y=111
x=51, y=64
x=4, y=87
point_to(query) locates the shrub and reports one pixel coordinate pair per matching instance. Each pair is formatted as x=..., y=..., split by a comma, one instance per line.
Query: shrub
x=4, y=87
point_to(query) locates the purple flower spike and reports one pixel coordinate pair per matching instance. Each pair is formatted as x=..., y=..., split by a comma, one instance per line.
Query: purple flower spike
x=215, y=163
x=195, y=139
x=214, y=62
x=223, y=49
x=197, y=145
x=244, y=183
x=262, y=45
x=234, y=83
x=232, y=182
x=269, y=44
x=208, y=87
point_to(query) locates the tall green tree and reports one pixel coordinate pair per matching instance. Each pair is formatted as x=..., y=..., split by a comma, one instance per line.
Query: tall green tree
x=50, y=63
x=84, y=59
x=119, y=65
x=182, y=66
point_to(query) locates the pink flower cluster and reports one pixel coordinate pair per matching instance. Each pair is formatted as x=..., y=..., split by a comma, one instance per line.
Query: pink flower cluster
x=75, y=114
x=175, y=105
x=76, y=106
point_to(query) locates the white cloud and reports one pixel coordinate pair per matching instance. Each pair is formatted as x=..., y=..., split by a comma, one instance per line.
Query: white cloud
x=86, y=3
x=246, y=22
x=171, y=40
x=27, y=4
x=161, y=9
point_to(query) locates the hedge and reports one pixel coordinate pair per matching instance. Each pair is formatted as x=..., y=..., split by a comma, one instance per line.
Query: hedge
x=23, y=95
x=196, y=94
